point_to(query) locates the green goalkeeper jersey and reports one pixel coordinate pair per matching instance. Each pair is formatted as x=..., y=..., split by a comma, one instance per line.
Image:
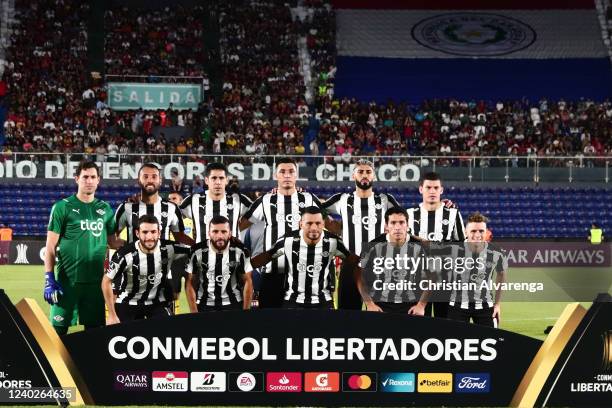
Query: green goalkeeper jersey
x=83, y=228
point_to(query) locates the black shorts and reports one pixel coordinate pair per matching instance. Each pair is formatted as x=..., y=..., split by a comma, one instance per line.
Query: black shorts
x=482, y=316
x=326, y=305
x=220, y=308
x=127, y=313
x=400, y=308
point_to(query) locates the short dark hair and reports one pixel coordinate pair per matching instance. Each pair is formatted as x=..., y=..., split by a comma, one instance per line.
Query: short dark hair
x=395, y=210
x=218, y=219
x=431, y=176
x=86, y=165
x=313, y=209
x=148, y=219
x=215, y=166
x=477, y=217
x=286, y=160
x=149, y=165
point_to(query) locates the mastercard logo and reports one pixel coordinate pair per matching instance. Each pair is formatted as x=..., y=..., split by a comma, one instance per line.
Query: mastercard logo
x=359, y=382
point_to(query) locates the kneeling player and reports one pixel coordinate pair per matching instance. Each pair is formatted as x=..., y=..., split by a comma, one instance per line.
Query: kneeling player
x=385, y=285
x=309, y=252
x=219, y=271
x=475, y=302
x=142, y=275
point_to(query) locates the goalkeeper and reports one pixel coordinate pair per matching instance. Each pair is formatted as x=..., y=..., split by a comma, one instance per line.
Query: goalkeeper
x=80, y=226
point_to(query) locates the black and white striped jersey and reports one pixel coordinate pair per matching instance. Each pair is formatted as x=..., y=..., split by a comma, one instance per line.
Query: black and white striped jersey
x=363, y=219
x=310, y=280
x=201, y=208
x=218, y=275
x=393, y=281
x=441, y=225
x=144, y=279
x=483, y=264
x=167, y=213
x=281, y=214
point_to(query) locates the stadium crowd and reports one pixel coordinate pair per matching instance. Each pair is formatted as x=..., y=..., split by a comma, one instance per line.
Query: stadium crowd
x=54, y=106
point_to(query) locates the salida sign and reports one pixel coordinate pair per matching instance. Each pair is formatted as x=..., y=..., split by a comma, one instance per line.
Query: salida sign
x=257, y=171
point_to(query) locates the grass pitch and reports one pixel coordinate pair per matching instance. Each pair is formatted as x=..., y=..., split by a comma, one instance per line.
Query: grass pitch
x=524, y=317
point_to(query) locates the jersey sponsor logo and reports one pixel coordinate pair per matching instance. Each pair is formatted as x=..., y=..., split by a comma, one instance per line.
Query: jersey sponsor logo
x=230, y=206
x=367, y=221
x=289, y=218
x=435, y=236
x=152, y=279
x=76, y=210
x=101, y=211
x=311, y=270
x=445, y=222
x=22, y=254
x=94, y=226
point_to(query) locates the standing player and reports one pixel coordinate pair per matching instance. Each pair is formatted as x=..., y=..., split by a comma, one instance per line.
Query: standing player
x=308, y=253
x=281, y=212
x=167, y=213
x=384, y=288
x=478, y=304
x=222, y=270
x=362, y=216
x=201, y=208
x=80, y=227
x=433, y=221
x=142, y=275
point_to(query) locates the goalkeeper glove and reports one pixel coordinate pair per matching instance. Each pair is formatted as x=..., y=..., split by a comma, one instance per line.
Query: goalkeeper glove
x=53, y=290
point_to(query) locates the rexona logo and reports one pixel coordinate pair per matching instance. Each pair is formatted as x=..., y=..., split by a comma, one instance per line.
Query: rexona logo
x=322, y=382
x=175, y=381
x=359, y=382
x=131, y=381
x=246, y=382
x=211, y=381
x=472, y=382
x=284, y=382
x=397, y=382
x=435, y=382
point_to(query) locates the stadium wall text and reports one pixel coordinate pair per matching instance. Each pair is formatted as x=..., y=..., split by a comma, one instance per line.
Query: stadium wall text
x=257, y=171
x=127, y=95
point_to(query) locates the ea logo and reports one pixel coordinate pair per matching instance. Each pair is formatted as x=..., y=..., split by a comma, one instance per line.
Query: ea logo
x=311, y=270
x=434, y=236
x=95, y=226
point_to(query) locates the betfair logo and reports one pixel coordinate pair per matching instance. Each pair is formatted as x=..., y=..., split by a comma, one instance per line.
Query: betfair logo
x=435, y=382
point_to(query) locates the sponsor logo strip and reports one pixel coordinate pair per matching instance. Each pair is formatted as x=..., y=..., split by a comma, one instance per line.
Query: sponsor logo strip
x=472, y=382
x=435, y=382
x=322, y=382
x=397, y=382
x=170, y=381
x=283, y=382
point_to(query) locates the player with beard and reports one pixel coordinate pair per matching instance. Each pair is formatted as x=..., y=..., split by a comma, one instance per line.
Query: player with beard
x=281, y=211
x=308, y=252
x=141, y=274
x=362, y=219
x=219, y=271
x=151, y=203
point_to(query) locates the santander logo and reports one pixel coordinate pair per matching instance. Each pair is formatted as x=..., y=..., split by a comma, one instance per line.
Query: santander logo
x=283, y=382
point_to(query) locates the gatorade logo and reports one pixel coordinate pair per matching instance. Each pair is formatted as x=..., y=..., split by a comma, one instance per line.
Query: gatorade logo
x=435, y=382
x=95, y=226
